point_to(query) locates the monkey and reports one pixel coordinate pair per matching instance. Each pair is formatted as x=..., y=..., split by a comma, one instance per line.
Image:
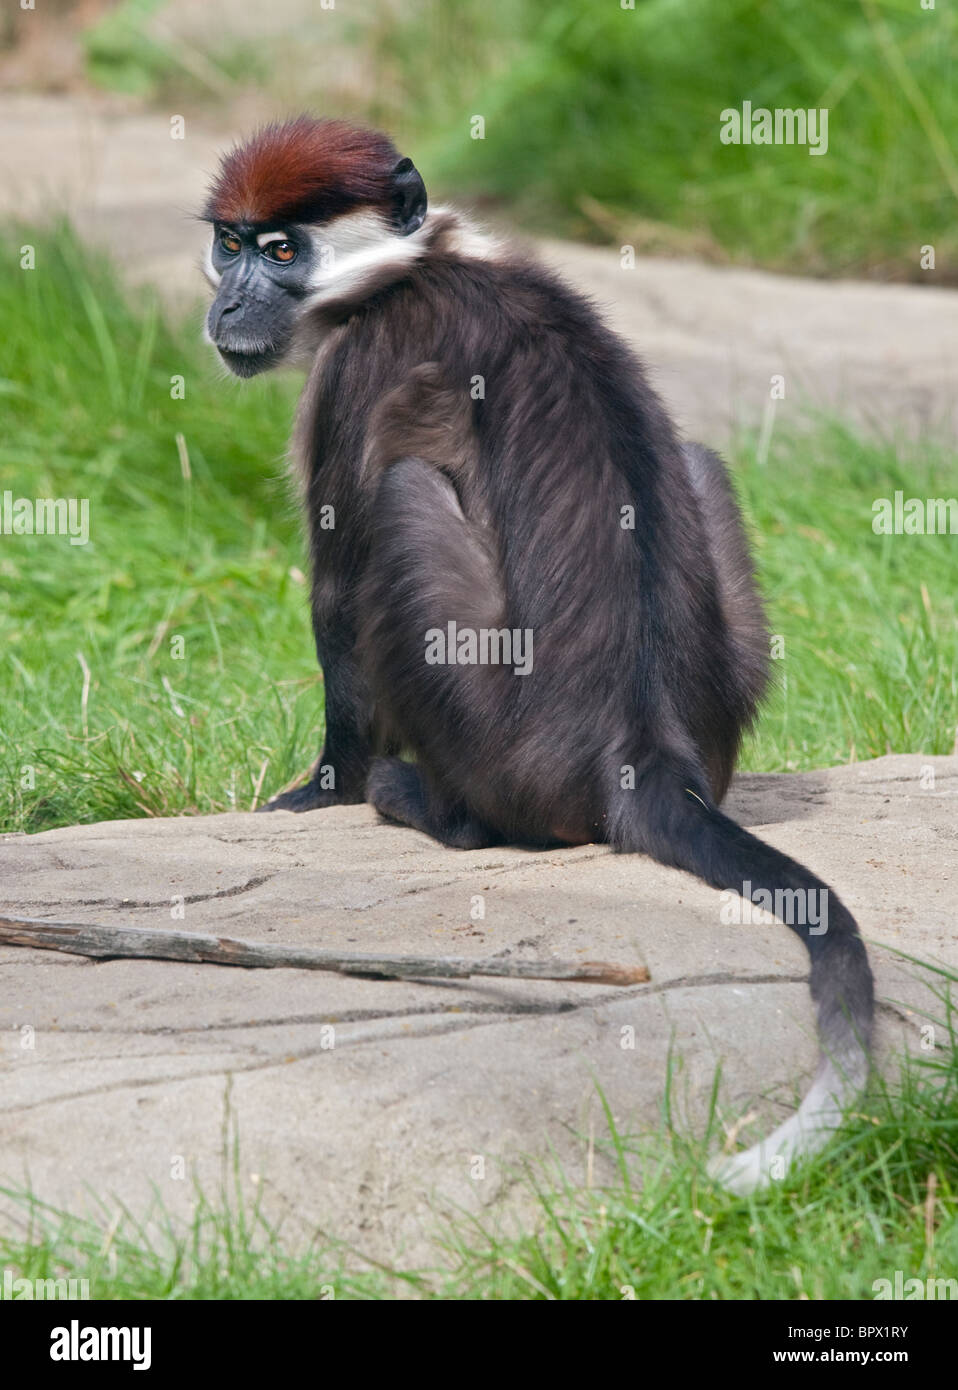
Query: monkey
x=481, y=458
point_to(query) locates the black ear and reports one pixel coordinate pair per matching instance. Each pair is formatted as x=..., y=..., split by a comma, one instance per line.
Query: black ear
x=409, y=208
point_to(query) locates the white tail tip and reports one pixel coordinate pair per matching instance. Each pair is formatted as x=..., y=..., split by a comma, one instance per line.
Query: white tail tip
x=802, y=1134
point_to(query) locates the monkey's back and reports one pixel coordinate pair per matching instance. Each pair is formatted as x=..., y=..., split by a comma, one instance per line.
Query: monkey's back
x=568, y=470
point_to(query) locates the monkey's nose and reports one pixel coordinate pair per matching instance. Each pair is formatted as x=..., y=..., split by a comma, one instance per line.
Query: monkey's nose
x=219, y=311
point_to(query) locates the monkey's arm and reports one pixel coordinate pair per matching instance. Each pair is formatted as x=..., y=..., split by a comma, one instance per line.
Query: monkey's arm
x=339, y=775
x=420, y=418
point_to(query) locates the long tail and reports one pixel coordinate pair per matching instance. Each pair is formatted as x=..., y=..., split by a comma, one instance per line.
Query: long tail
x=674, y=824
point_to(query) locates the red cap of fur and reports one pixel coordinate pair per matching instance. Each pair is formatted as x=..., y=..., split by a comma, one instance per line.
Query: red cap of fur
x=304, y=170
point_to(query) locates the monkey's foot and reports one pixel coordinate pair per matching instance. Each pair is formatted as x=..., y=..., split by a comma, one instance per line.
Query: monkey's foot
x=396, y=790
x=309, y=797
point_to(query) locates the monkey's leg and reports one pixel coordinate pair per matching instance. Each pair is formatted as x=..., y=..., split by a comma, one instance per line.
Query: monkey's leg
x=747, y=670
x=431, y=567
x=397, y=791
x=339, y=776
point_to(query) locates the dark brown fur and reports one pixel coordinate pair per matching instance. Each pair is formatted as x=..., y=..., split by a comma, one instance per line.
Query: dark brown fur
x=395, y=385
x=651, y=652
x=650, y=647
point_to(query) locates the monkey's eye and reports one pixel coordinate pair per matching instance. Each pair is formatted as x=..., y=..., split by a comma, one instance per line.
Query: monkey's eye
x=230, y=243
x=282, y=251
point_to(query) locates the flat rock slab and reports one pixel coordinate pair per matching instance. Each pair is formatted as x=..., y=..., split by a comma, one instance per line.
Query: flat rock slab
x=364, y=1105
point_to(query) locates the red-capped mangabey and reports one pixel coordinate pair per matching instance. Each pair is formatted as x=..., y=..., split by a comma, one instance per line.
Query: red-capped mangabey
x=520, y=576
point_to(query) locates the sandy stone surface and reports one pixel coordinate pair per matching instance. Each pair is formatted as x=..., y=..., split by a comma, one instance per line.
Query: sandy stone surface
x=374, y=1136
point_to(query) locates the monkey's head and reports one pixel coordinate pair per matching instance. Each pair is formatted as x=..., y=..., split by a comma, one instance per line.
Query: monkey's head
x=297, y=210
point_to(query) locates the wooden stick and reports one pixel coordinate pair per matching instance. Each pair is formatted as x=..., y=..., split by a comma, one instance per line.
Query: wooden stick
x=147, y=943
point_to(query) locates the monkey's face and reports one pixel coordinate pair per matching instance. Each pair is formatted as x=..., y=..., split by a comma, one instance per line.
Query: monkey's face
x=262, y=277
x=308, y=215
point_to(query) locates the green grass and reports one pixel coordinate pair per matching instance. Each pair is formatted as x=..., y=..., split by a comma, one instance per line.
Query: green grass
x=206, y=558
x=202, y=560
x=870, y=640
x=602, y=121
x=126, y=51
x=882, y=1197
x=227, y=1249
x=210, y=553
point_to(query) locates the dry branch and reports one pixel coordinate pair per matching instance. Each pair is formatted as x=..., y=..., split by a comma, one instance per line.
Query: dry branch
x=147, y=943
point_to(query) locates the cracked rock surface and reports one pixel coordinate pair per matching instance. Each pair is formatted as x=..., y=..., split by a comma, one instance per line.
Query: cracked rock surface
x=362, y=1104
